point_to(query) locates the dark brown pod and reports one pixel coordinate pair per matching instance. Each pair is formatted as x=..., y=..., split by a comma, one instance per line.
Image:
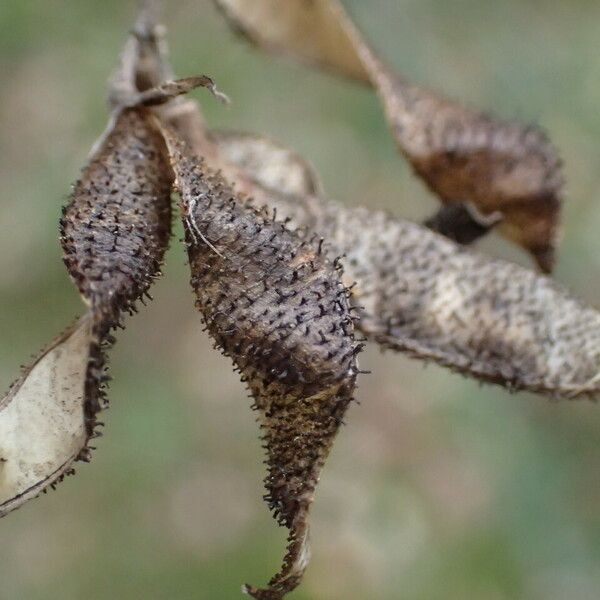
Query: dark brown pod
x=507, y=173
x=277, y=307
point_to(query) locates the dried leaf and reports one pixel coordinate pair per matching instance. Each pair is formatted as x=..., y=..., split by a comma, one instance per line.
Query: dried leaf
x=301, y=28
x=42, y=421
x=465, y=157
x=276, y=306
x=420, y=293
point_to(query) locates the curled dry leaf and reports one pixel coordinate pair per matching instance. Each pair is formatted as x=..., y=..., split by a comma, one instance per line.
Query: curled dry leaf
x=421, y=293
x=465, y=157
x=276, y=306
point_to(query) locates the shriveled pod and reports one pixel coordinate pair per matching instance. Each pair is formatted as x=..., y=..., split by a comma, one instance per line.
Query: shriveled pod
x=423, y=294
x=486, y=171
x=277, y=307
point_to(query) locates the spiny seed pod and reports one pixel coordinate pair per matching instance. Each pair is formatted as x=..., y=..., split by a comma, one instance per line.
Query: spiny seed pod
x=422, y=294
x=493, y=172
x=276, y=306
x=487, y=318
x=116, y=228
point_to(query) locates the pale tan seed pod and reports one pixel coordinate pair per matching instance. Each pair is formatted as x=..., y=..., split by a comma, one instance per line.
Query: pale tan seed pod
x=422, y=294
x=43, y=428
x=304, y=30
x=276, y=305
x=490, y=172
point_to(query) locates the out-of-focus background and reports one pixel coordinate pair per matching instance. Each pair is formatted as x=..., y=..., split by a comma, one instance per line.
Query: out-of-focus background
x=437, y=488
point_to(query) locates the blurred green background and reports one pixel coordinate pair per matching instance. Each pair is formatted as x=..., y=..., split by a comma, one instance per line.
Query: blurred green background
x=437, y=488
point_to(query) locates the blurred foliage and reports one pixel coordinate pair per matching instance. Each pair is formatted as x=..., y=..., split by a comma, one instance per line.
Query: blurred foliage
x=437, y=488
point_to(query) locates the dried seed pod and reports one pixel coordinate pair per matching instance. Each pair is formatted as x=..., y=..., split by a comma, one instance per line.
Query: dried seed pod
x=498, y=167
x=276, y=306
x=42, y=420
x=465, y=157
x=268, y=163
x=422, y=294
x=116, y=228
x=306, y=30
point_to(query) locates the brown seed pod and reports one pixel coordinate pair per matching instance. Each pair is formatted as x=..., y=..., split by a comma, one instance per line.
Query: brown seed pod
x=506, y=173
x=421, y=293
x=116, y=228
x=276, y=306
